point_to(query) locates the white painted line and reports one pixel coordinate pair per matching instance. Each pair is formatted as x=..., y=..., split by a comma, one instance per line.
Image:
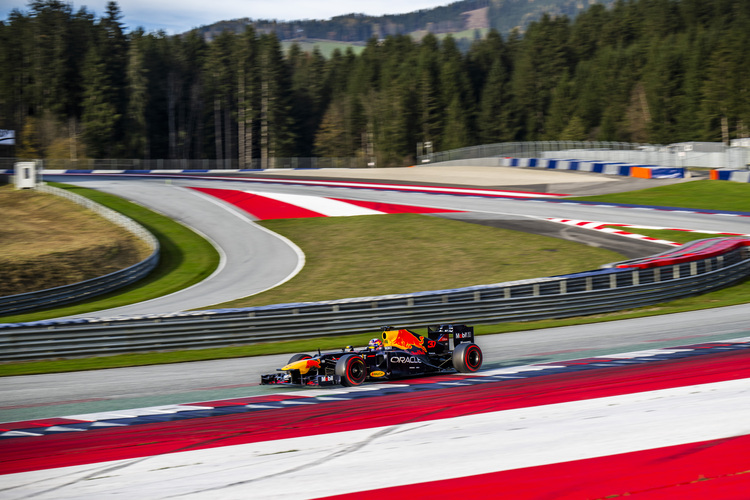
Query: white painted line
x=138, y=412
x=325, y=206
x=643, y=354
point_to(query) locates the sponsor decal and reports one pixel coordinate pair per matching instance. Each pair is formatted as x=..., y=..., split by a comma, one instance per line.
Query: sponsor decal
x=377, y=374
x=405, y=359
x=403, y=339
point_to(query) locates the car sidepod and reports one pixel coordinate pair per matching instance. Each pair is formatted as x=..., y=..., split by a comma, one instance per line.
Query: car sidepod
x=405, y=363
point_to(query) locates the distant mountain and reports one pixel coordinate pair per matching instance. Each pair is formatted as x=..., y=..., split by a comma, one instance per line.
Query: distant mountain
x=464, y=19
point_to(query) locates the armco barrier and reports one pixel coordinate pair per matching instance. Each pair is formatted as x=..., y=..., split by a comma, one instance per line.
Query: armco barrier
x=592, y=292
x=12, y=304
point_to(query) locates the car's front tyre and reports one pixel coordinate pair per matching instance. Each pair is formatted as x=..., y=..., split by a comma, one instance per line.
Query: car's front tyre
x=352, y=370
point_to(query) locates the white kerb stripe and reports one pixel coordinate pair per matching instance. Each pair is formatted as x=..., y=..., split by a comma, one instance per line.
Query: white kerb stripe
x=325, y=206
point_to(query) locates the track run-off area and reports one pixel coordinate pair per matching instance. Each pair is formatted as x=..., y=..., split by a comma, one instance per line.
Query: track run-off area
x=551, y=415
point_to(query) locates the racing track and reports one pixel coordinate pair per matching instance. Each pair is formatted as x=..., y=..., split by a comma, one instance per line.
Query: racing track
x=603, y=431
x=253, y=259
x=248, y=249
x=665, y=423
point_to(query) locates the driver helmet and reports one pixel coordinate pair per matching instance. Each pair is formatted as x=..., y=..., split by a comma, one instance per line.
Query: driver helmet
x=375, y=344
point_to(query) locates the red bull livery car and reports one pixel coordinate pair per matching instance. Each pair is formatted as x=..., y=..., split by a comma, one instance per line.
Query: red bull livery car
x=399, y=353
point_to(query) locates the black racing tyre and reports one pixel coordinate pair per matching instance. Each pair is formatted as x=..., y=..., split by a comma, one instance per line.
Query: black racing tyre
x=297, y=357
x=467, y=357
x=352, y=370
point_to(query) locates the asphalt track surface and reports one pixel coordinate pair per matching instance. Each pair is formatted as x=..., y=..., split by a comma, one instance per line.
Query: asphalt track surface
x=642, y=438
x=667, y=423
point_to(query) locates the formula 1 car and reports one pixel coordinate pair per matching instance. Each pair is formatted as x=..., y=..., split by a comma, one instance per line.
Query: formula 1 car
x=400, y=353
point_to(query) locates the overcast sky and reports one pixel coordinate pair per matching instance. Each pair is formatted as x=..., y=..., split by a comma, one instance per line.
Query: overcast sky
x=177, y=16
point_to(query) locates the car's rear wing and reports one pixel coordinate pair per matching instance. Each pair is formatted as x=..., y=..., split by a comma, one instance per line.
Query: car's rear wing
x=460, y=333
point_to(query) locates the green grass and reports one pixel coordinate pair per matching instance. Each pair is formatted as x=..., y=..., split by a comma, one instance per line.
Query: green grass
x=712, y=195
x=387, y=254
x=186, y=259
x=667, y=234
x=386, y=242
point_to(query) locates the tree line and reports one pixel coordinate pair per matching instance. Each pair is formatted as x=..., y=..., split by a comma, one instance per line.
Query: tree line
x=656, y=71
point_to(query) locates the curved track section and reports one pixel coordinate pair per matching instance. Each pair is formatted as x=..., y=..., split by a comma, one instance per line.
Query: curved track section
x=250, y=250
x=253, y=259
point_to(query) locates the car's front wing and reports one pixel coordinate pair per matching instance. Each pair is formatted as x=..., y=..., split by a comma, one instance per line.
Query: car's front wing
x=287, y=378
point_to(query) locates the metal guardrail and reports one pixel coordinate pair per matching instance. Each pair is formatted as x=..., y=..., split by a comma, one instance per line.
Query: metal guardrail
x=532, y=149
x=592, y=292
x=140, y=165
x=12, y=304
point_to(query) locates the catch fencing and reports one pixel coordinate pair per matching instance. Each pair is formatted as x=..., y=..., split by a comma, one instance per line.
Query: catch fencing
x=592, y=292
x=674, y=155
x=61, y=295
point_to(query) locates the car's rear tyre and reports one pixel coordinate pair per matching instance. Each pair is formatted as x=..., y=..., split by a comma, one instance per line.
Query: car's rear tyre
x=352, y=370
x=297, y=357
x=467, y=357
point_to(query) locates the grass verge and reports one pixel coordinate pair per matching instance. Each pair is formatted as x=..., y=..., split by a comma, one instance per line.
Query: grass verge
x=405, y=253
x=717, y=195
x=186, y=258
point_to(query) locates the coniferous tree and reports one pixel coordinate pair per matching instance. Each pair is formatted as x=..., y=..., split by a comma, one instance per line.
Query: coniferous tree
x=100, y=117
x=248, y=105
x=457, y=98
x=493, y=117
x=137, y=99
x=114, y=45
x=276, y=123
x=221, y=75
x=663, y=78
x=50, y=25
x=332, y=139
x=430, y=112
x=561, y=111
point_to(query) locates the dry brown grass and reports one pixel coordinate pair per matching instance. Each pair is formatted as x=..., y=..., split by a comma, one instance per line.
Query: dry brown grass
x=47, y=241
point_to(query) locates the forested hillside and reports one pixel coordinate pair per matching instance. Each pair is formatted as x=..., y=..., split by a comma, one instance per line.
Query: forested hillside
x=656, y=71
x=463, y=16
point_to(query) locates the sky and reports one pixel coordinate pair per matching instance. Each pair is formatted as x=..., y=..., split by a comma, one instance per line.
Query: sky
x=178, y=16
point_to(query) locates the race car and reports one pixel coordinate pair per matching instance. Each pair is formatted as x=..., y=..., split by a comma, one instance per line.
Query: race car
x=398, y=353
